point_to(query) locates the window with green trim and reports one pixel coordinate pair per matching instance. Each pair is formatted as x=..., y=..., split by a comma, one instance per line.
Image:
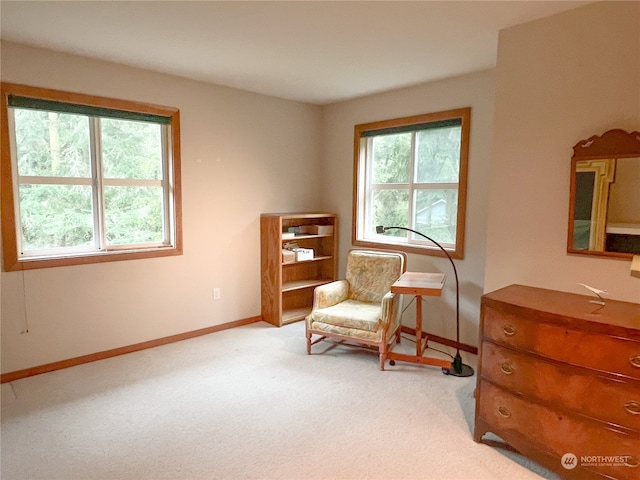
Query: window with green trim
x=92, y=179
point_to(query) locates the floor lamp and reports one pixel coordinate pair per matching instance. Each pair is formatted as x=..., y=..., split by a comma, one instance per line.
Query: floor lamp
x=459, y=369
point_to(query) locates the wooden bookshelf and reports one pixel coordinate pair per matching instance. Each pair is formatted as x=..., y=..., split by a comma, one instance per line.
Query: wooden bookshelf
x=287, y=288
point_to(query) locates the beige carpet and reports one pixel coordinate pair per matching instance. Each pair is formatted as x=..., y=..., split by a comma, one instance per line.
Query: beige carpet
x=248, y=403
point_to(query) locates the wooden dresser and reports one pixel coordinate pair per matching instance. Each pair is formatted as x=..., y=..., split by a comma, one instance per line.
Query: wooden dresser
x=559, y=381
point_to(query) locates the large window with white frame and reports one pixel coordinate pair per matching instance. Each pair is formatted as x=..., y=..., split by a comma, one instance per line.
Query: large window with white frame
x=89, y=179
x=411, y=172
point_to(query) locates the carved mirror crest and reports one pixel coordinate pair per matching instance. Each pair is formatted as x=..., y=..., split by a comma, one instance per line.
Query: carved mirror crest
x=604, y=207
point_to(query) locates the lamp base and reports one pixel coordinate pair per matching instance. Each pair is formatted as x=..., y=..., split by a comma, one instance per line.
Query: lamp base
x=465, y=371
x=458, y=369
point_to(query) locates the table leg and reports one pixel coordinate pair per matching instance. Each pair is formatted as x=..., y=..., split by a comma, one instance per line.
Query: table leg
x=420, y=346
x=419, y=349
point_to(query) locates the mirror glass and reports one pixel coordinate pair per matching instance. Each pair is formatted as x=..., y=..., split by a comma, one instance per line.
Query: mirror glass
x=604, y=216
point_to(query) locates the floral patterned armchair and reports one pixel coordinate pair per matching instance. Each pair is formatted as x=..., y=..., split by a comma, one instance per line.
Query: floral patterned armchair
x=360, y=308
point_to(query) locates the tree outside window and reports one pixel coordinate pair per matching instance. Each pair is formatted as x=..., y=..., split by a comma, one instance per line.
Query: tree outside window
x=92, y=179
x=411, y=172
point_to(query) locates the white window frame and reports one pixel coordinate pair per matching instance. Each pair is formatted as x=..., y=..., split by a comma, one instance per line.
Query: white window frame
x=364, y=232
x=15, y=258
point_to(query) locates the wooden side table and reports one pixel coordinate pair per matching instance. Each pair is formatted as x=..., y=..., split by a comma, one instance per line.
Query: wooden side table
x=419, y=284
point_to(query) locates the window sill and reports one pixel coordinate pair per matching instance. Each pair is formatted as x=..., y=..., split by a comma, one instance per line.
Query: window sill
x=15, y=265
x=407, y=248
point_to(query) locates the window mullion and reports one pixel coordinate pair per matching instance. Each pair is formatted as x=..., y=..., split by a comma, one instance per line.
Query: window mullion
x=366, y=199
x=100, y=236
x=436, y=186
x=412, y=181
x=167, y=185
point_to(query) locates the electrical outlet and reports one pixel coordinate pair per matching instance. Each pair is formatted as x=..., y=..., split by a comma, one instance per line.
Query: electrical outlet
x=216, y=294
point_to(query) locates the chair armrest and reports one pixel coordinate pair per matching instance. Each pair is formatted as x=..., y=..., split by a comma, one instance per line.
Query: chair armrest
x=390, y=315
x=330, y=294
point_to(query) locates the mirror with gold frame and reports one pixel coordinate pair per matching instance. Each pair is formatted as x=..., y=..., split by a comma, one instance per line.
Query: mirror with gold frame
x=604, y=207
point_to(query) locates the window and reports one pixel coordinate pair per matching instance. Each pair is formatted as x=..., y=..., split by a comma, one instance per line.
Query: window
x=87, y=179
x=411, y=172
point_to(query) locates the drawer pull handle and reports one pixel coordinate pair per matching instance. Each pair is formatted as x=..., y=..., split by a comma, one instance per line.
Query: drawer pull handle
x=635, y=361
x=506, y=368
x=510, y=330
x=503, y=412
x=632, y=407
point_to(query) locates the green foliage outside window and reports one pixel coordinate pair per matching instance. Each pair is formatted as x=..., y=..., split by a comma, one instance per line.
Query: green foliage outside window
x=52, y=144
x=411, y=172
x=437, y=153
x=133, y=215
x=56, y=148
x=131, y=149
x=392, y=158
x=56, y=216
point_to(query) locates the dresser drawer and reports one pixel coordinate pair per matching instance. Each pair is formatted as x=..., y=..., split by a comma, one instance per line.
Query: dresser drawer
x=614, y=400
x=591, y=350
x=511, y=416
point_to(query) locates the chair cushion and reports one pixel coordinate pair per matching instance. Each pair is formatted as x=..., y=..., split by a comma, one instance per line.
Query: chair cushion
x=353, y=333
x=371, y=274
x=350, y=314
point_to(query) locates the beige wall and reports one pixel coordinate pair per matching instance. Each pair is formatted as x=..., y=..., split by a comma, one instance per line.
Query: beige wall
x=474, y=90
x=558, y=80
x=239, y=151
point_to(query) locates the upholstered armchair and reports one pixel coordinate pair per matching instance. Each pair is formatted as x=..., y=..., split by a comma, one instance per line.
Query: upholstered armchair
x=361, y=308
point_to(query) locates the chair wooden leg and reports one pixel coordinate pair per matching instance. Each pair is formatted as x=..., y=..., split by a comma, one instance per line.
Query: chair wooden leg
x=308, y=343
x=398, y=333
x=383, y=355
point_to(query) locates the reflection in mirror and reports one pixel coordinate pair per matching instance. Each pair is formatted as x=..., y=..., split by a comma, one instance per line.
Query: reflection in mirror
x=604, y=215
x=623, y=212
x=592, y=180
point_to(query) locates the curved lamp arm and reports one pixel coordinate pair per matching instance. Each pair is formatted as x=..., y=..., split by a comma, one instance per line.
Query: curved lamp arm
x=457, y=362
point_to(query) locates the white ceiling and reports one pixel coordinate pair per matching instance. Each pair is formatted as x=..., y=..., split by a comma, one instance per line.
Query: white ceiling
x=318, y=52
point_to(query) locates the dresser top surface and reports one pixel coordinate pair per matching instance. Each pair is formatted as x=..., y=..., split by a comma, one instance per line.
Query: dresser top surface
x=565, y=307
